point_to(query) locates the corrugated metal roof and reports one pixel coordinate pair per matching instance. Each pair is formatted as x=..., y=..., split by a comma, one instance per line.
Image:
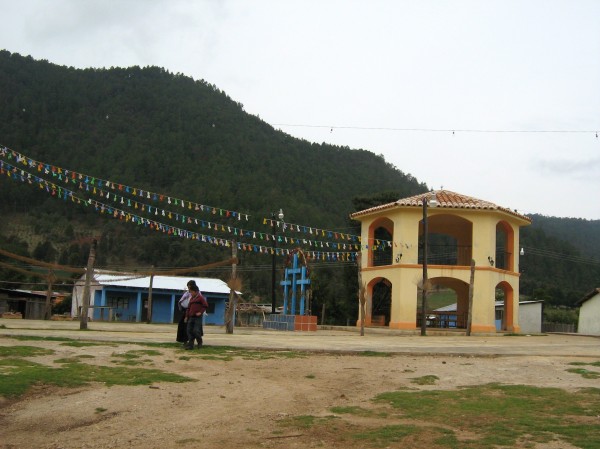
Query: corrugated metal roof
x=207, y=285
x=445, y=199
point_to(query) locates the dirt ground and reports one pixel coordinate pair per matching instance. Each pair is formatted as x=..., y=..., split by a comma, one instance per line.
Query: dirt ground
x=247, y=401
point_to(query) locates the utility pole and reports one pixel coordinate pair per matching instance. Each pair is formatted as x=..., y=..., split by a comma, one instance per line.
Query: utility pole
x=89, y=275
x=149, y=314
x=233, y=285
x=361, y=296
x=471, y=283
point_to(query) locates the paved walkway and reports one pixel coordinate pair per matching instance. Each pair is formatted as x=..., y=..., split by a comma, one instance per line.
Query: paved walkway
x=324, y=340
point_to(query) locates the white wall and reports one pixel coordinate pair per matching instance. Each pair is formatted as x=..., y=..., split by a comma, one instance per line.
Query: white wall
x=589, y=316
x=530, y=317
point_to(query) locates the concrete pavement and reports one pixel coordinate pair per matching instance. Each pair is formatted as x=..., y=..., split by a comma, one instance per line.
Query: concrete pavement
x=340, y=339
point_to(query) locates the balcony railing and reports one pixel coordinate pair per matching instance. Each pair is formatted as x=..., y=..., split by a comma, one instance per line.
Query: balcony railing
x=444, y=255
x=447, y=255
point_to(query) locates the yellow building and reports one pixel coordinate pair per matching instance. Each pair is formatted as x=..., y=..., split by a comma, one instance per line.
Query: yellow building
x=461, y=229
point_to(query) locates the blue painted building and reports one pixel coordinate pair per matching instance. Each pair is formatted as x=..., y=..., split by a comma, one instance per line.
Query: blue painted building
x=124, y=297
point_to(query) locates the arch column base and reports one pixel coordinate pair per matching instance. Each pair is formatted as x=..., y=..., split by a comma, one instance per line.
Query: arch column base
x=482, y=329
x=403, y=325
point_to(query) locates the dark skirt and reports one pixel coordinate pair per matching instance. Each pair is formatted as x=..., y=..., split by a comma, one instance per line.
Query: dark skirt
x=182, y=336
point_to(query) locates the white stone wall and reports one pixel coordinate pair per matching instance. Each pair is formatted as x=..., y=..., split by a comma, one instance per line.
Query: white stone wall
x=589, y=316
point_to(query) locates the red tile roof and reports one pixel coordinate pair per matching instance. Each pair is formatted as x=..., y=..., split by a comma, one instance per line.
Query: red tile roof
x=445, y=199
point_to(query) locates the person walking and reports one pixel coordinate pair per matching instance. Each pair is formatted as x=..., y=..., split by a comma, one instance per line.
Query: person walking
x=195, y=310
x=182, y=305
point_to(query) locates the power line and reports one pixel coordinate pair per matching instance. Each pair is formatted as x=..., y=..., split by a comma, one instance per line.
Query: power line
x=444, y=130
x=560, y=256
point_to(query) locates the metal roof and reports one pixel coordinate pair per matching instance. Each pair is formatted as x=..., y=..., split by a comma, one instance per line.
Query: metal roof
x=177, y=283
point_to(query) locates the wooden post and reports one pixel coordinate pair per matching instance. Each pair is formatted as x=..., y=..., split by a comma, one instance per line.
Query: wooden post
x=470, y=313
x=361, y=296
x=149, y=314
x=230, y=318
x=48, y=311
x=89, y=275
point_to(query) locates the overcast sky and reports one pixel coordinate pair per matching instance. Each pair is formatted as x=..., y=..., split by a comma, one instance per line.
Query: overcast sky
x=517, y=80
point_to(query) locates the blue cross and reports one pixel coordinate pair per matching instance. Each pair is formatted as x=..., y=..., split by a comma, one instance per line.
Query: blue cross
x=291, y=283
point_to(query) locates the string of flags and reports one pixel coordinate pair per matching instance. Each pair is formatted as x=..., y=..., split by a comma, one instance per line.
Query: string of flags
x=61, y=192
x=107, y=190
x=118, y=192
x=66, y=176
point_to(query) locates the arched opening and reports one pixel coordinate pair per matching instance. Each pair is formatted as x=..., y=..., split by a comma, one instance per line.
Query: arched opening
x=504, y=307
x=447, y=303
x=381, y=302
x=504, y=247
x=381, y=235
x=450, y=240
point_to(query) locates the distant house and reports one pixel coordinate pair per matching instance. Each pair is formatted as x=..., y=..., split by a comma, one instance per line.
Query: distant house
x=530, y=316
x=30, y=304
x=589, y=313
x=124, y=297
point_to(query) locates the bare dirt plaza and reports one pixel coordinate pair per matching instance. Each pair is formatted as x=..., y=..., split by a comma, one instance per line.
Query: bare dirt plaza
x=243, y=401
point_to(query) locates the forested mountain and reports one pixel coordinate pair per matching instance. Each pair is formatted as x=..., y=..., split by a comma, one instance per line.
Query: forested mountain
x=582, y=234
x=154, y=131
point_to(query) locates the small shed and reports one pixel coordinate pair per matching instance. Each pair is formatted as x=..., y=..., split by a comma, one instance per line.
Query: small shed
x=28, y=304
x=125, y=297
x=589, y=313
x=530, y=316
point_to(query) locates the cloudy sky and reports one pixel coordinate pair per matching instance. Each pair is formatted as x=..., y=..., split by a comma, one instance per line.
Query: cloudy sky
x=496, y=99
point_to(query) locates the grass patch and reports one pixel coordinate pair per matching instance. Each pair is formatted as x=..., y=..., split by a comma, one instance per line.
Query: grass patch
x=65, y=341
x=36, y=338
x=306, y=421
x=19, y=375
x=75, y=359
x=228, y=353
x=585, y=363
x=354, y=410
x=128, y=362
x=23, y=351
x=586, y=374
x=383, y=436
x=425, y=380
x=502, y=414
